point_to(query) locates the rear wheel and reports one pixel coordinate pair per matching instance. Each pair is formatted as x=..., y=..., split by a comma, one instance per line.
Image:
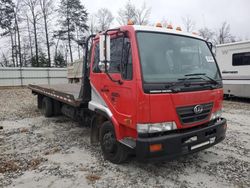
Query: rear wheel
x=112, y=150
x=47, y=107
x=56, y=108
x=39, y=101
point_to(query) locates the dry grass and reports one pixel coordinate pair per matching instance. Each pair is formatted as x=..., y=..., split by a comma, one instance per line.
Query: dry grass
x=9, y=166
x=52, y=151
x=15, y=165
x=92, y=177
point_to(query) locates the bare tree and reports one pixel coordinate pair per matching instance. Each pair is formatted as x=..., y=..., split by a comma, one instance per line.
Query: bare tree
x=73, y=16
x=104, y=19
x=92, y=24
x=32, y=5
x=189, y=24
x=29, y=34
x=5, y=62
x=47, y=8
x=139, y=16
x=25, y=54
x=16, y=12
x=224, y=35
x=7, y=23
x=127, y=13
x=142, y=15
x=207, y=34
x=58, y=35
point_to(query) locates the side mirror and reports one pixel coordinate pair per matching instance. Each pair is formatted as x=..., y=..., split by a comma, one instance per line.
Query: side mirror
x=104, y=44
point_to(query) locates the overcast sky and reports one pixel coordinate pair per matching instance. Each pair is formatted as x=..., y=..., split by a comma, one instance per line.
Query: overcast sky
x=210, y=13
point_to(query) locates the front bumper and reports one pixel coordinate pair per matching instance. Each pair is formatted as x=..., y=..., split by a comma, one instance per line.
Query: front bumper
x=174, y=145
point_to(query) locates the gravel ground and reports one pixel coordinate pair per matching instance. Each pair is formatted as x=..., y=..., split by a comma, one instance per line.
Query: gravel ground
x=55, y=152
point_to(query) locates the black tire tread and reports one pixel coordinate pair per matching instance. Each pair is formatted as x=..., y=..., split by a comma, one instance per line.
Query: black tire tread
x=122, y=154
x=47, y=107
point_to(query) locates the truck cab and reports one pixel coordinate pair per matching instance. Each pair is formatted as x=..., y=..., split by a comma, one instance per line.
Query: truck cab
x=160, y=89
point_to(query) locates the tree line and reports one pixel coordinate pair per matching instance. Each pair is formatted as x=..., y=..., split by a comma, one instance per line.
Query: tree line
x=40, y=33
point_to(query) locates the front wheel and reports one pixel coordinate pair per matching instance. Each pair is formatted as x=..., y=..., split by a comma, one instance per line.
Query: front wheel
x=112, y=150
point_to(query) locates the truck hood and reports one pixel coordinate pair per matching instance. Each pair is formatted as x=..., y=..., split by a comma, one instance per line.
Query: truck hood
x=163, y=107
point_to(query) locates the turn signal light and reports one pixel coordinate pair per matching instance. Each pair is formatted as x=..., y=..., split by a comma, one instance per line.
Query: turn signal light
x=169, y=26
x=130, y=22
x=155, y=147
x=158, y=25
x=178, y=28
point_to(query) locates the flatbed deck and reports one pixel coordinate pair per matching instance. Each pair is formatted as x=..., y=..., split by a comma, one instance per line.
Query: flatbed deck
x=67, y=93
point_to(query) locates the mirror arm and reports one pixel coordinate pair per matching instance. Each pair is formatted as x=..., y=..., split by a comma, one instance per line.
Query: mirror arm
x=112, y=79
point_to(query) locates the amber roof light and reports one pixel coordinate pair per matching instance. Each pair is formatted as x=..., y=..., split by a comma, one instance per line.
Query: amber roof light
x=169, y=26
x=178, y=28
x=158, y=24
x=130, y=22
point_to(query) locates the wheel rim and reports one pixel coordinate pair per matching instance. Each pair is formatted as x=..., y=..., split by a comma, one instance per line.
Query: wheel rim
x=109, y=143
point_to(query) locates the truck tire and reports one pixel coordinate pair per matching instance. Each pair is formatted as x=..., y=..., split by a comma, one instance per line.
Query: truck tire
x=112, y=150
x=56, y=108
x=39, y=101
x=47, y=107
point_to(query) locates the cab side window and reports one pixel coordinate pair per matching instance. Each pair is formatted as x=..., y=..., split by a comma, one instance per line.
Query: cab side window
x=96, y=59
x=126, y=63
x=116, y=46
x=120, y=58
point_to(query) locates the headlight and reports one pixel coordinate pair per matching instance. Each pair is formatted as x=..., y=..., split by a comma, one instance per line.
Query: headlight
x=156, y=127
x=216, y=115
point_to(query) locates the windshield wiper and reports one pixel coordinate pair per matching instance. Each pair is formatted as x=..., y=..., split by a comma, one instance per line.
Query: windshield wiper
x=184, y=80
x=205, y=75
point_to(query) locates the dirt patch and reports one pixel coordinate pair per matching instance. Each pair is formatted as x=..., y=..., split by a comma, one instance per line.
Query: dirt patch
x=52, y=151
x=92, y=178
x=16, y=165
x=9, y=166
x=17, y=103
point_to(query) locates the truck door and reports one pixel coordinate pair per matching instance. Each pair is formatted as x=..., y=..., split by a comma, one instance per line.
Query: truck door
x=120, y=98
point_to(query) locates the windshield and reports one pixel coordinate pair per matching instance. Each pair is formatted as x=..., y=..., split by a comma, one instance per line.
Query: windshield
x=168, y=58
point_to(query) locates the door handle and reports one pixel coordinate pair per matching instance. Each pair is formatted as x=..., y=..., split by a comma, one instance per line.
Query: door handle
x=104, y=89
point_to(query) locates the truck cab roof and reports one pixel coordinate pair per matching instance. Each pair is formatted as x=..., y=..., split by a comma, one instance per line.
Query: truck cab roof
x=155, y=29
x=164, y=30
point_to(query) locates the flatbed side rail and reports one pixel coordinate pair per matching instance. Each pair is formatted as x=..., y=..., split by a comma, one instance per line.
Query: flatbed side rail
x=57, y=95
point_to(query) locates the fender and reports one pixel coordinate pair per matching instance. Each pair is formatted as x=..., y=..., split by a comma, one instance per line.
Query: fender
x=96, y=122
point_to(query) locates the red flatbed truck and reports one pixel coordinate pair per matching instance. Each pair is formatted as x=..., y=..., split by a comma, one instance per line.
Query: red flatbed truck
x=149, y=91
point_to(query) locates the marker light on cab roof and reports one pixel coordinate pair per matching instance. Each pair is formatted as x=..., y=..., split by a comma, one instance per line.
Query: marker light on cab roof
x=158, y=24
x=169, y=26
x=130, y=22
x=178, y=28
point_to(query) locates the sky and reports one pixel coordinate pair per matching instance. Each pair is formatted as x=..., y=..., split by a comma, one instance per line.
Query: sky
x=210, y=13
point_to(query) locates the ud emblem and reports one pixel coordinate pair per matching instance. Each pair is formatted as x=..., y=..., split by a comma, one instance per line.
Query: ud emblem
x=198, y=109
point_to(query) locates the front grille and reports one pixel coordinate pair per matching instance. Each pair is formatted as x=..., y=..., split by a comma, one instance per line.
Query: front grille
x=187, y=115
